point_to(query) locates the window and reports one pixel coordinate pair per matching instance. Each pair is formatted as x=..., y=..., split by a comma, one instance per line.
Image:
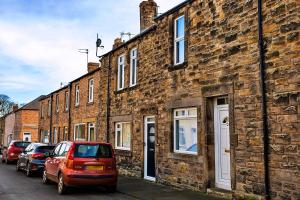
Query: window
x=49, y=107
x=65, y=133
x=123, y=133
x=44, y=136
x=79, y=132
x=185, y=127
x=67, y=101
x=27, y=137
x=133, y=67
x=91, y=90
x=121, y=62
x=91, y=132
x=62, y=150
x=179, y=46
x=55, y=135
x=42, y=111
x=76, y=95
x=93, y=151
x=57, y=103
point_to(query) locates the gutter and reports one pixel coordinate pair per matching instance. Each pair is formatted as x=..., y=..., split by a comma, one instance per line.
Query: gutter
x=262, y=67
x=69, y=110
x=50, y=129
x=108, y=100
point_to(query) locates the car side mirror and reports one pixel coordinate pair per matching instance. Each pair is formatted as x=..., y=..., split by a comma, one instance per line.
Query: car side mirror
x=47, y=154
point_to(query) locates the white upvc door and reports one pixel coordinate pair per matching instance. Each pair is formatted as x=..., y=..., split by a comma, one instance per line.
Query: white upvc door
x=222, y=146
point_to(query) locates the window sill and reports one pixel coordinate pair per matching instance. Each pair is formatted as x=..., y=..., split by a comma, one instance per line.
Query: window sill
x=77, y=106
x=185, y=157
x=178, y=66
x=123, y=152
x=126, y=89
x=90, y=103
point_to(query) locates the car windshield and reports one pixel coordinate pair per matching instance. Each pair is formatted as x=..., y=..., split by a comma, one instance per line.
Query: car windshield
x=21, y=144
x=92, y=151
x=44, y=149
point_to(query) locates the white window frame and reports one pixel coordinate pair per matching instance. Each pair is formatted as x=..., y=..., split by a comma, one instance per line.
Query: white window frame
x=49, y=107
x=121, y=135
x=67, y=100
x=77, y=94
x=185, y=116
x=27, y=133
x=42, y=110
x=81, y=139
x=57, y=102
x=178, y=39
x=91, y=125
x=65, y=134
x=55, y=135
x=91, y=90
x=121, y=63
x=133, y=59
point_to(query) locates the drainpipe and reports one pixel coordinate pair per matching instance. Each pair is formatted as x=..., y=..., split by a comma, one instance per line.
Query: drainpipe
x=50, y=131
x=264, y=101
x=69, y=110
x=108, y=99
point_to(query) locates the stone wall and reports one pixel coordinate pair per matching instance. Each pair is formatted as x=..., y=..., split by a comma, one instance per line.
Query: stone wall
x=282, y=39
x=222, y=59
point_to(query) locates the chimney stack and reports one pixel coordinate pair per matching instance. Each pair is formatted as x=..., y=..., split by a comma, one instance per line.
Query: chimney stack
x=118, y=42
x=92, y=66
x=15, y=107
x=148, y=11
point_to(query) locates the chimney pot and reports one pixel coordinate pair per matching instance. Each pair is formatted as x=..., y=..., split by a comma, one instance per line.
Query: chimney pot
x=148, y=11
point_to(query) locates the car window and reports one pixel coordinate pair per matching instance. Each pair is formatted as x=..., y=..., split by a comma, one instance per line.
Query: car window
x=56, y=150
x=62, y=149
x=28, y=148
x=92, y=151
x=21, y=144
x=44, y=149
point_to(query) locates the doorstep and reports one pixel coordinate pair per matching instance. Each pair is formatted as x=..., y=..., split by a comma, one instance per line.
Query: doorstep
x=146, y=190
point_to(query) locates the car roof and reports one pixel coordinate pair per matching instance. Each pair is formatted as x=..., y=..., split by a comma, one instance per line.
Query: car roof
x=85, y=142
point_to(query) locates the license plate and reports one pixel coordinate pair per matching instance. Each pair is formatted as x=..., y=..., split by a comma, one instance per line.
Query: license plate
x=95, y=168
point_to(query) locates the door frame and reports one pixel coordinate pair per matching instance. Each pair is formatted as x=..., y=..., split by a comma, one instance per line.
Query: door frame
x=217, y=156
x=146, y=147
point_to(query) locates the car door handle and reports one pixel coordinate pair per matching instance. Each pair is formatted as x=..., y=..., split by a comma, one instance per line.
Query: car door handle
x=227, y=150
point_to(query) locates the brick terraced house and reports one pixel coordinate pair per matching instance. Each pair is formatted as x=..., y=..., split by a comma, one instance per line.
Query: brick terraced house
x=206, y=97
x=71, y=112
x=26, y=122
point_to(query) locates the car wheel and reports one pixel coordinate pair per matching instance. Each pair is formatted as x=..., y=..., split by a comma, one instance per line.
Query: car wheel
x=111, y=188
x=18, y=166
x=45, y=178
x=28, y=171
x=61, y=187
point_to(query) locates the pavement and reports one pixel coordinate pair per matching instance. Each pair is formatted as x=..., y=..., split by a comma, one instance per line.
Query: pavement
x=16, y=186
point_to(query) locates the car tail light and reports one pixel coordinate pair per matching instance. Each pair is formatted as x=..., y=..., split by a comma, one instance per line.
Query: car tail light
x=38, y=155
x=70, y=158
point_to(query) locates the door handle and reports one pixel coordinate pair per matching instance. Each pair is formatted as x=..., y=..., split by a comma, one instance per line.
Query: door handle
x=227, y=150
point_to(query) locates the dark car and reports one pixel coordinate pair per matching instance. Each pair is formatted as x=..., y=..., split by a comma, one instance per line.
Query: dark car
x=12, y=153
x=33, y=158
x=82, y=164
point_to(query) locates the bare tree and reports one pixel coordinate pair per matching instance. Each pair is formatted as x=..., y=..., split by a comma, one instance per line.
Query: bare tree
x=5, y=104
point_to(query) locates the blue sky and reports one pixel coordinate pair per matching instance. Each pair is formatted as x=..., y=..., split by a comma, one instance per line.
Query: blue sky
x=39, y=40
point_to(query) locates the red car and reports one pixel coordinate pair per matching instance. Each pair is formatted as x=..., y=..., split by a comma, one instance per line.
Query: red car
x=11, y=154
x=81, y=164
